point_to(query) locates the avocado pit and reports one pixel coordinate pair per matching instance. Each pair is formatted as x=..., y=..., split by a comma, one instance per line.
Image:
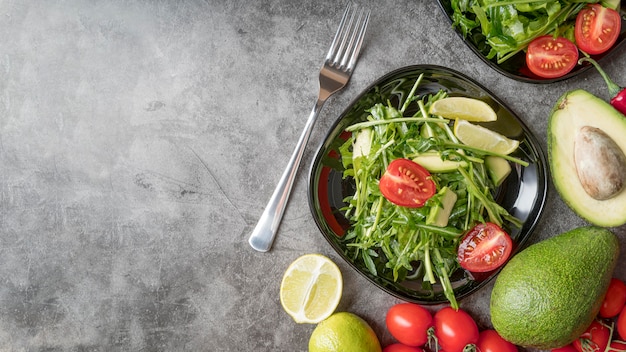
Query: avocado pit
x=600, y=163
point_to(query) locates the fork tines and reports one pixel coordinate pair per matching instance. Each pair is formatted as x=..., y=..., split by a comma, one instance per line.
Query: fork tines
x=346, y=45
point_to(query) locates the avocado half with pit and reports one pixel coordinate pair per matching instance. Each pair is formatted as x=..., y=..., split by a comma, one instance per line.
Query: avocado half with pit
x=586, y=153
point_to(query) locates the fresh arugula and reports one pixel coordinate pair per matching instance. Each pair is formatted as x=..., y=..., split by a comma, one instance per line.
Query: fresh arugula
x=502, y=28
x=397, y=242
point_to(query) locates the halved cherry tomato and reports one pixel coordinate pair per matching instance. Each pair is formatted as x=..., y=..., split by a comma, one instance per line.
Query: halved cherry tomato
x=567, y=348
x=406, y=183
x=614, y=299
x=490, y=341
x=398, y=347
x=597, y=29
x=455, y=329
x=595, y=338
x=484, y=248
x=409, y=323
x=551, y=57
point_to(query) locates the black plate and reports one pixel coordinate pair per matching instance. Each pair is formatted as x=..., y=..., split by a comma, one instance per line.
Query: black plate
x=516, y=68
x=523, y=193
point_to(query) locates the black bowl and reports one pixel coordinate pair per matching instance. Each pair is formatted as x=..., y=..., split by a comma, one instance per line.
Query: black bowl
x=515, y=67
x=523, y=193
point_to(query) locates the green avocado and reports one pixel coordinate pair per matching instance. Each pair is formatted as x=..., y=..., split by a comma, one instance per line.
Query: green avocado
x=586, y=147
x=549, y=293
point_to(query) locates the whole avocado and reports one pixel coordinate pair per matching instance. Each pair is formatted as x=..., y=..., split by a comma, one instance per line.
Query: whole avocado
x=549, y=293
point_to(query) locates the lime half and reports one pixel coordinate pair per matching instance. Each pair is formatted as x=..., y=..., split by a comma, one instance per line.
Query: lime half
x=311, y=288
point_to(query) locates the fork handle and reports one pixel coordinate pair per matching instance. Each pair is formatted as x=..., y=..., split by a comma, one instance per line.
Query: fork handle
x=263, y=234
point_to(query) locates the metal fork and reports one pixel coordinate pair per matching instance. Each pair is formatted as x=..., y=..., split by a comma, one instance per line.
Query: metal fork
x=334, y=75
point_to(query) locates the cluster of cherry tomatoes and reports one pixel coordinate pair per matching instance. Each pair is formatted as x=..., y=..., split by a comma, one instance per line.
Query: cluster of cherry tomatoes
x=447, y=330
x=608, y=331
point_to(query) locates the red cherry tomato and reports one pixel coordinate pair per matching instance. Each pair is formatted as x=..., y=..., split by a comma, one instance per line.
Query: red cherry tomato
x=455, y=329
x=398, y=347
x=597, y=29
x=551, y=57
x=617, y=346
x=614, y=299
x=409, y=323
x=406, y=183
x=620, y=324
x=484, y=248
x=595, y=338
x=568, y=348
x=491, y=341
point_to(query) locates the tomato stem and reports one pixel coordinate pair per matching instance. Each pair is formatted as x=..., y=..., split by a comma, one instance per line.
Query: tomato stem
x=617, y=93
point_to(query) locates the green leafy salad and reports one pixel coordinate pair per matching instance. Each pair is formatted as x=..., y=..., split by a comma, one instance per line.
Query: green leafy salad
x=414, y=243
x=502, y=28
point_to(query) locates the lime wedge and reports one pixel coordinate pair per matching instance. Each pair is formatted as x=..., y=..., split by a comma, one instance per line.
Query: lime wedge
x=483, y=138
x=463, y=108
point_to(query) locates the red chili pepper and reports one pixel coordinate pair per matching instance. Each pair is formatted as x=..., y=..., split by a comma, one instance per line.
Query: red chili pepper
x=618, y=93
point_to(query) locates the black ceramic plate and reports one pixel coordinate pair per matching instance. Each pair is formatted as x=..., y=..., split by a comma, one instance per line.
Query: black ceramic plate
x=523, y=193
x=515, y=67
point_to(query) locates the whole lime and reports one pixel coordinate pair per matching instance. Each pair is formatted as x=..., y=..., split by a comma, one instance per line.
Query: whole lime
x=345, y=332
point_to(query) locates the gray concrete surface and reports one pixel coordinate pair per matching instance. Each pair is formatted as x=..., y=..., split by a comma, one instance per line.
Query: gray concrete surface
x=141, y=140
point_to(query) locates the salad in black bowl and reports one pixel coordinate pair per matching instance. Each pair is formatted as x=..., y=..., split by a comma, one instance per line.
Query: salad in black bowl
x=538, y=41
x=404, y=195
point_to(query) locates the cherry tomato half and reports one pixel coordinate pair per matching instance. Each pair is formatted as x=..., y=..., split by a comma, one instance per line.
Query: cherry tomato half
x=614, y=299
x=398, y=347
x=620, y=325
x=568, y=348
x=484, y=248
x=409, y=323
x=406, y=183
x=595, y=338
x=551, y=57
x=455, y=329
x=491, y=341
x=597, y=29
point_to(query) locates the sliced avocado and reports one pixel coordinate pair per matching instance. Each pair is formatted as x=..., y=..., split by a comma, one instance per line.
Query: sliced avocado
x=433, y=162
x=611, y=4
x=440, y=214
x=362, y=143
x=574, y=112
x=549, y=293
x=361, y=146
x=498, y=168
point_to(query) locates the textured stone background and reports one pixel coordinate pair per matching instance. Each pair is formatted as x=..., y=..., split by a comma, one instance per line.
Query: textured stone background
x=141, y=140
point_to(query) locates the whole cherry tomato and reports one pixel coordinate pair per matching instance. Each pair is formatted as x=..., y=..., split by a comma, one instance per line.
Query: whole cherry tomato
x=595, y=338
x=455, y=329
x=614, y=299
x=398, y=347
x=568, y=348
x=409, y=323
x=617, y=346
x=621, y=324
x=491, y=341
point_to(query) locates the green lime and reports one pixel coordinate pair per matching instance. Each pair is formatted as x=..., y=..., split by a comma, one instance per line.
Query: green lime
x=345, y=332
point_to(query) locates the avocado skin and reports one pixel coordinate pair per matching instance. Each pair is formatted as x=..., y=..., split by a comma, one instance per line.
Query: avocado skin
x=549, y=293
